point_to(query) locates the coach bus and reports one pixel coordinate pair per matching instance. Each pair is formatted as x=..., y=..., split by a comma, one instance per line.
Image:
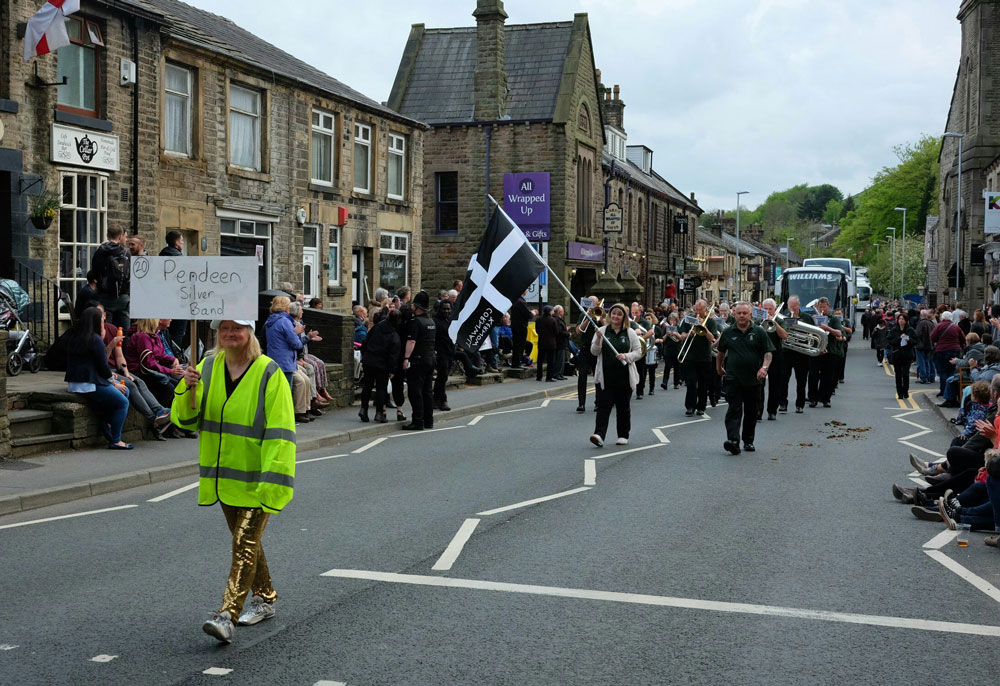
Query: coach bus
x=813, y=283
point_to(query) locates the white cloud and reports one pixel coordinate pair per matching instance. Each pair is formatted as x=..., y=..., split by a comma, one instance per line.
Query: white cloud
x=731, y=95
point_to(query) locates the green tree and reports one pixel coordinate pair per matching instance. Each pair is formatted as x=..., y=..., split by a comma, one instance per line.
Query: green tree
x=814, y=204
x=880, y=268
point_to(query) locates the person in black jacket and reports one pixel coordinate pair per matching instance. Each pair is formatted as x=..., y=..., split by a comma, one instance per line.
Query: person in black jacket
x=111, y=266
x=379, y=353
x=520, y=315
x=174, y=248
x=88, y=374
x=902, y=339
x=547, y=331
x=445, y=349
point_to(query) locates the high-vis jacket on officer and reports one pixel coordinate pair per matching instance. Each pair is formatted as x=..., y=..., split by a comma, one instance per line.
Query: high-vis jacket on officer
x=247, y=445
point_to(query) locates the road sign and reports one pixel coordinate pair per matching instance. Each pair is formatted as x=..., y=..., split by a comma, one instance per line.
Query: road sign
x=695, y=282
x=680, y=225
x=613, y=218
x=193, y=288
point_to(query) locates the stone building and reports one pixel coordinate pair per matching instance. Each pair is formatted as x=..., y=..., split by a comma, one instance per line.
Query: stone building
x=507, y=99
x=974, y=113
x=172, y=118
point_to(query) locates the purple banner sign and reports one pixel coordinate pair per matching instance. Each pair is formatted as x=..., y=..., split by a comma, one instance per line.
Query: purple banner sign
x=526, y=199
x=587, y=252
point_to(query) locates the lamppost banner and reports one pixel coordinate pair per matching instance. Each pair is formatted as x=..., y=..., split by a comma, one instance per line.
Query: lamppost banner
x=992, y=221
x=527, y=200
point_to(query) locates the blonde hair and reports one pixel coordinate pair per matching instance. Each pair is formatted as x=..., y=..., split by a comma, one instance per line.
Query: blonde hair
x=280, y=303
x=149, y=326
x=253, y=350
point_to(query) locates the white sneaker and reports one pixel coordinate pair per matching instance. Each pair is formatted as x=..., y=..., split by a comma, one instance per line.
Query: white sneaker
x=597, y=440
x=621, y=441
x=220, y=626
x=256, y=610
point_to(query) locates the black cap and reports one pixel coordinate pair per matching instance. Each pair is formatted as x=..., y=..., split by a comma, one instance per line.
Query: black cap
x=422, y=300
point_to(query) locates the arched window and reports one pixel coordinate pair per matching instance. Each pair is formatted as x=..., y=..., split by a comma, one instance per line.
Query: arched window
x=583, y=119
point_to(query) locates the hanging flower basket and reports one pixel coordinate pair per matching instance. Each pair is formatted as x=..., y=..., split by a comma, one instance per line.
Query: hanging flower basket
x=43, y=209
x=41, y=223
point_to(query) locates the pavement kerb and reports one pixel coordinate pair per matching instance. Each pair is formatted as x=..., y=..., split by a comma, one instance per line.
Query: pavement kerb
x=65, y=493
x=953, y=428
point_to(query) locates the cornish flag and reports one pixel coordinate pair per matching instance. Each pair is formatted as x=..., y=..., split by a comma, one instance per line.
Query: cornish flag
x=46, y=31
x=500, y=271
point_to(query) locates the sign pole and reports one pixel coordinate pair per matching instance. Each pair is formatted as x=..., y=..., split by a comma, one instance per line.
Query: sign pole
x=193, y=358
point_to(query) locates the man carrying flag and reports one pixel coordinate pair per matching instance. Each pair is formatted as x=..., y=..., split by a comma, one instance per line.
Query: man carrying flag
x=502, y=268
x=46, y=31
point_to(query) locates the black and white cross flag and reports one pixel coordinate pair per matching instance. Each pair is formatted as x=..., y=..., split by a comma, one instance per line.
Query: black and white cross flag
x=500, y=271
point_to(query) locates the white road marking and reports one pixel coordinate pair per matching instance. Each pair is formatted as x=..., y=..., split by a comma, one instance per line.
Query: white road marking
x=475, y=420
x=674, y=602
x=8, y=646
x=545, y=403
x=920, y=448
x=659, y=435
x=426, y=431
x=217, y=671
x=703, y=418
x=628, y=450
x=520, y=409
x=317, y=459
x=454, y=548
x=920, y=482
x=171, y=494
x=534, y=501
x=330, y=683
x=941, y=540
x=589, y=473
x=103, y=658
x=370, y=444
x=69, y=516
x=974, y=579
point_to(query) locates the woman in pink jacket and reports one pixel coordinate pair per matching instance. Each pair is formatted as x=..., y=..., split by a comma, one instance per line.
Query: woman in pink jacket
x=947, y=339
x=146, y=358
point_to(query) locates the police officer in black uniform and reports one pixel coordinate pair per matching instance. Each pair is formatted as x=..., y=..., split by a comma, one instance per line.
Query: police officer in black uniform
x=418, y=362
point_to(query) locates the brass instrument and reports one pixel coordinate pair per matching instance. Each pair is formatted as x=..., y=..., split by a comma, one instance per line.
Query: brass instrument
x=806, y=339
x=597, y=312
x=699, y=329
x=770, y=325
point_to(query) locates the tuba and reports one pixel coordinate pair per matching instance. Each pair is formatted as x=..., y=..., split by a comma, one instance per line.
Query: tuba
x=806, y=339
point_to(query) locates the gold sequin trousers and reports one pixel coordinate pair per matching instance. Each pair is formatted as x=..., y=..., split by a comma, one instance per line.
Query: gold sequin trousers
x=249, y=568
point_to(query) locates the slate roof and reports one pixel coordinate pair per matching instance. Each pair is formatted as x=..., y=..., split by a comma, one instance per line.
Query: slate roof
x=654, y=181
x=221, y=35
x=440, y=88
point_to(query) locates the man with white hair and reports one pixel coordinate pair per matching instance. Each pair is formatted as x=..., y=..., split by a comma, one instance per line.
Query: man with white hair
x=795, y=361
x=777, y=385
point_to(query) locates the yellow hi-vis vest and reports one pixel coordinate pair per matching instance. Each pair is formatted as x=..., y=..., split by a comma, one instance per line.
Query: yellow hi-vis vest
x=246, y=452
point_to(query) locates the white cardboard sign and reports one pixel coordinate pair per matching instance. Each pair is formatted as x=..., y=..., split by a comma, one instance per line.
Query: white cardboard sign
x=194, y=288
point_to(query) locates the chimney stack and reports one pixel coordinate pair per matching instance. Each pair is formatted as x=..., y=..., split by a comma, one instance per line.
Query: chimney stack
x=491, y=75
x=613, y=108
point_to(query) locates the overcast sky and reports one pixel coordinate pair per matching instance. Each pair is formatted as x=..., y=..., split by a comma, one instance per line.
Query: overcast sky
x=731, y=95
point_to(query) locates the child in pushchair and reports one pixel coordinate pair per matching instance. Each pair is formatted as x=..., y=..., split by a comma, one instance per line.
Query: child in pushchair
x=21, y=347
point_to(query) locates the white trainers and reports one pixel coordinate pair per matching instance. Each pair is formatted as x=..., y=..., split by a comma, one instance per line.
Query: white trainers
x=256, y=610
x=621, y=441
x=597, y=440
x=220, y=626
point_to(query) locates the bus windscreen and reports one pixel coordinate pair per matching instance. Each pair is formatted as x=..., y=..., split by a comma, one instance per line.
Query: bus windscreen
x=812, y=286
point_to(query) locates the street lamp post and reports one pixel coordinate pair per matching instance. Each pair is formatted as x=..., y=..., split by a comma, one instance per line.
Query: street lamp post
x=739, y=274
x=787, y=241
x=958, y=221
x=902, y=257
x=892, y=280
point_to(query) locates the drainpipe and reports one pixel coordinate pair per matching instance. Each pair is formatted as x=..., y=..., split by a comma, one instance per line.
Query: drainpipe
x=135, y=125
x=489, y=141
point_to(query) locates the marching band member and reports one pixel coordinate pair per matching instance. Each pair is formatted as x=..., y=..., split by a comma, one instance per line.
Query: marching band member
x=777, y=385
x=795, y=361
x=748, y=351
x=585, y=361
x=669, y=349
x=827, y=368
x=616, y=347
x=698, y=363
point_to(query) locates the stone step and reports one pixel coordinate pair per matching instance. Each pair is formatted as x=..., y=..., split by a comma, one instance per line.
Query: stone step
x=48, y=443
x=485, y=379
x=24, y=423
x=519, y=373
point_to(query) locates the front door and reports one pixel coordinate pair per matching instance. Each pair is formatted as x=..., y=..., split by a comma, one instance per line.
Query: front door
x=357, y=276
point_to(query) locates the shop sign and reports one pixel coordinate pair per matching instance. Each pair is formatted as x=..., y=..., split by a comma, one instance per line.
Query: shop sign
x=613, y=218
x=586, y=252
x=527, y=200
x=84, y=148
x=992, y=219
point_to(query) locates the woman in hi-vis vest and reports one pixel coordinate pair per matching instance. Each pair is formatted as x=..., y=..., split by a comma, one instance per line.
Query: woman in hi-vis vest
x=246, y=451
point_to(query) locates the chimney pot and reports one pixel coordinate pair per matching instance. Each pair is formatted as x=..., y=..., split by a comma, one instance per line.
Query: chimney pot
x=617, y=90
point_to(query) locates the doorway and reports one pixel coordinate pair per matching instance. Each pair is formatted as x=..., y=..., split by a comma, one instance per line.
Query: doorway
x=361, y=275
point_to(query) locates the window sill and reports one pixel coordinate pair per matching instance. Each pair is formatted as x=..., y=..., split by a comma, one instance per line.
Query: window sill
x=361, y=195
x=444, y=238
x=181, y=160
x=398, y=202
x=248, y=173
x=83, y=120
x=8, y=106
x=321, y=187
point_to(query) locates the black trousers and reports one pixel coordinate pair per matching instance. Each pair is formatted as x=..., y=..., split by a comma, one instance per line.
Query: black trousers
x=548, y=357
x=640, y=366
x=378, y=379
x=443, y=367
x=398, y=388
x=584, y=363
x=742, y=407
x=418, y=378
x=801, y=365
x=698, y=376
x=902, y=369
x=671, y=363
x=617, y=398
x=647, y=370
x=519, y=335
x=823, y=377
x=777, y=387
x=961, y=459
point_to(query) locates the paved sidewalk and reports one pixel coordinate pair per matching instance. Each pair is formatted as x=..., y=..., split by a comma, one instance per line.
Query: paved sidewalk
x=43, y=480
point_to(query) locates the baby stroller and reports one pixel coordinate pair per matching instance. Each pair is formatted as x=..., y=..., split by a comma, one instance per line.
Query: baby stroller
x=21, y=347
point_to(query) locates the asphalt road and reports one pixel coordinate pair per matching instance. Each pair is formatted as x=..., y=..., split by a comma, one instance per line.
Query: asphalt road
x=680, y=564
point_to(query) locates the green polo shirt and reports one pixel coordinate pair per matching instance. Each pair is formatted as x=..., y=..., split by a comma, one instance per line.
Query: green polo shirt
x=744, y=353
x=833, y=346
x=701, y=349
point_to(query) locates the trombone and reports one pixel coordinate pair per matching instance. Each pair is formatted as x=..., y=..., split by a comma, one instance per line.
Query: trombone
x=699, y=329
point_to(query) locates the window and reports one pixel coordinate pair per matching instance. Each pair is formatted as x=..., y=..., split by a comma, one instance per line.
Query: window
x=177, y=122
x=83, y=223
x=446, y=205
x=393, y=260
x=397, y=166
x=244, y=127
x=584, y=195
x=248, y=238
x=322, y=148
x=362, y=158
x=78, y=63
x=334, y=279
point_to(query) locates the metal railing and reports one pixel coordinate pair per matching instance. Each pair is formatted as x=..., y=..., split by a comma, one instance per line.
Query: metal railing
x=41, y=314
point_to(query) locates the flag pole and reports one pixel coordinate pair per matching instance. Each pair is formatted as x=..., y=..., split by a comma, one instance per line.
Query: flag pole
x=553, y=274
